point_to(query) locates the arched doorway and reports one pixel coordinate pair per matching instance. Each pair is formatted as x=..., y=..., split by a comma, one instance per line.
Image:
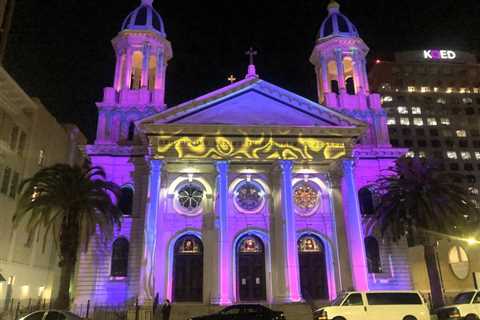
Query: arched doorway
x=188, y=270
x=251, y=269
x=313, y=271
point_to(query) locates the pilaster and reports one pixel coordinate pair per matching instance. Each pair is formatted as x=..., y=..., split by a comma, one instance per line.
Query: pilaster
x=153, y=273
x=340, y=70
x=225, y=244
x=353, y=227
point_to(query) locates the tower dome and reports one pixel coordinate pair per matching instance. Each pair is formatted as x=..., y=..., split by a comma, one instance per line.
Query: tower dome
x=145, y=17
x=336, y=24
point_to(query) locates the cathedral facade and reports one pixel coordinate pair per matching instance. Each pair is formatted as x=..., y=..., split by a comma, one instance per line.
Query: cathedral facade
x=248, y=193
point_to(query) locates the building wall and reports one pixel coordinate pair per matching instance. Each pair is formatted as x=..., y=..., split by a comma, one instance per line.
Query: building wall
x=30, y=138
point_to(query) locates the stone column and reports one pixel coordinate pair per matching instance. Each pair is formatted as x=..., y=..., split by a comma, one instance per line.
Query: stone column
x=153, y=272
x=357, y=72
x=366, y=85
x=145, y=66
x=340, y=70
x=353, y=227
x=118, y=66
x=324, y=68
x=225, y=244
x=286, y=276
x=159, y=72
x=128, y=69
x=343, y=271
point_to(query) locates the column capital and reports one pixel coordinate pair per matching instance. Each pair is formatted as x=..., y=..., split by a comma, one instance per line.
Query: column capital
x=286, y=166
x=222, y=166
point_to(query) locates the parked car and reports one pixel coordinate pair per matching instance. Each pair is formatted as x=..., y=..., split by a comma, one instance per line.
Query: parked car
x=244, y=312
x=466, y=305
x=51, y=315
x=375, y=305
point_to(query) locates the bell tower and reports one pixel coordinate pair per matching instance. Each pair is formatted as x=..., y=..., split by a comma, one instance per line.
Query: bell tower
x=142, y=53
x=339, y=57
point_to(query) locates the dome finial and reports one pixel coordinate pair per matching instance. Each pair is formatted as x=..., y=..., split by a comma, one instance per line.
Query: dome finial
x=147, y=2
x=333, y=6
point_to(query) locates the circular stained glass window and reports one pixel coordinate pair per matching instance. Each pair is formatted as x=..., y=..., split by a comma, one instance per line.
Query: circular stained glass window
x=249, y=196
x=190, y=197
x=305, y=197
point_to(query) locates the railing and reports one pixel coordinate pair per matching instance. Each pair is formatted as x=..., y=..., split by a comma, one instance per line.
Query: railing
x=17, y=308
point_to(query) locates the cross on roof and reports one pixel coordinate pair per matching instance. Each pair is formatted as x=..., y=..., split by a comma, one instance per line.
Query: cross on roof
x=251, y=53
x=232, y=78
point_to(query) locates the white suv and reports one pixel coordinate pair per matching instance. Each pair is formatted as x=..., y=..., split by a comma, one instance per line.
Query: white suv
x=375, y=305
x=466, y=305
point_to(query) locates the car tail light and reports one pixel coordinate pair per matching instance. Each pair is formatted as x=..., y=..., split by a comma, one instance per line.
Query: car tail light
x=322, y=315
x=454, y=314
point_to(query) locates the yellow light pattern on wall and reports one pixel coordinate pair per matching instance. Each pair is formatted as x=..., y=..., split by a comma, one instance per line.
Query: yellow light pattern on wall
x=261, y=148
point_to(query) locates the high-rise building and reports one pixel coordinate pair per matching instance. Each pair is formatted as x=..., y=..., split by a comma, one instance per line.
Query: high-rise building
x=6, y=14
x=432, y=98
x=30, y=139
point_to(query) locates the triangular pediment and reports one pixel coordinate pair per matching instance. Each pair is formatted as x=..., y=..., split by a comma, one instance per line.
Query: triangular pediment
x=253, y=102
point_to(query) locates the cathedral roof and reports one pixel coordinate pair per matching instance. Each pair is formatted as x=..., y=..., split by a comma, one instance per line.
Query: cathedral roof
x=337, y=24
x=144, y=17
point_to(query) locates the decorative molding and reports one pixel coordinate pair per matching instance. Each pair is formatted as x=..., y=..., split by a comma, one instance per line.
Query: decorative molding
x=376, y=152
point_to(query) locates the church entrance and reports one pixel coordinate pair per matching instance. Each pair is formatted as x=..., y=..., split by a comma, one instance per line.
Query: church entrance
x=188, y=270
x=251, y=269
x=313, y=271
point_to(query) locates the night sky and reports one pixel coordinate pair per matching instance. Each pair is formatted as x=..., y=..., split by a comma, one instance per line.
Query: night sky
x=60, y=50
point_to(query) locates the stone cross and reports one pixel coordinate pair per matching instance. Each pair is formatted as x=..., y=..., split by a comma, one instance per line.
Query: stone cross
x=251, y=53
x=232, y=78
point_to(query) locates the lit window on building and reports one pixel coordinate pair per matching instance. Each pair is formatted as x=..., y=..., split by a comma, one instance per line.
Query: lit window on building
x=391, y=121
x=416, y=110
x=41, y=158
x=441, y=101
x=477, y=155
x=452, y=155
x=431, y=121
x=404, y=121
x=476, y=90
x=450, y=90
x=387, y=99
x=461, y=133
x=411, y=89
x=435, y=89
x=402, y=110
x=410, y=154
x=421, y=154
x=467, y=100
x=445, y=121
x=418, y=121
x=425, y=89
x=463, y=90
x=466, y=155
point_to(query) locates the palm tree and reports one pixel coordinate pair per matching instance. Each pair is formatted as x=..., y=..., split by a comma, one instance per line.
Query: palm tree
x=68, y=202
x=421, y=202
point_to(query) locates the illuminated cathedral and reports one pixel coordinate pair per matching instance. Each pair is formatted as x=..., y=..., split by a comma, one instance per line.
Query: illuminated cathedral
x=247, y=193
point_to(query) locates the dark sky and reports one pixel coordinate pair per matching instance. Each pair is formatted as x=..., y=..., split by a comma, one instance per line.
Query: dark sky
x=60, y=50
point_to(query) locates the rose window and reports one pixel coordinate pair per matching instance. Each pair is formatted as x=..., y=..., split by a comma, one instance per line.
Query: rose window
x=305, y=197
x=249, y=196
x=190, y=197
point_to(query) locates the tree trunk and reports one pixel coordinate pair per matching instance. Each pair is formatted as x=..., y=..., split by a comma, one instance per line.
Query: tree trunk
x=63, y=298
x=434, y=276
x=69, y=239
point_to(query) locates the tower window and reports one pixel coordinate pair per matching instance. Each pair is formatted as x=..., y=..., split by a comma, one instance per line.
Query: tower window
x=350, y=86
x=125, y=202
x=334, y=86
x=365, y=197
x=137, y=61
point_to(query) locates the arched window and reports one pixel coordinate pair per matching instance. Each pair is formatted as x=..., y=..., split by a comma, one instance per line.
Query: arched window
x=372, y=251
x=365, y=197
x=120, y=250
x=152, y=70
x=125, y=202
x=349, y=83
x=137, y=62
